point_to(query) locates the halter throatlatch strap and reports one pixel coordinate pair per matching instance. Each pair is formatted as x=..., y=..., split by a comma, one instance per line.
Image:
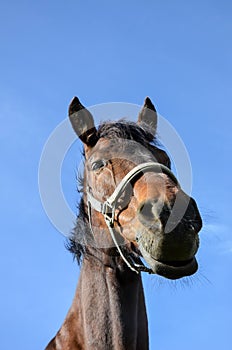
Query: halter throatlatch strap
x=109, y=206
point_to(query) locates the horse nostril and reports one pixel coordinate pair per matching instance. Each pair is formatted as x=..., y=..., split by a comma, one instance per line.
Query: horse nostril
x=164, y=214
x=145, y=211
x=191, y=227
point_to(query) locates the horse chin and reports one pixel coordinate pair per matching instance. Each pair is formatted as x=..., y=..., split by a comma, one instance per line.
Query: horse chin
x=170, y=269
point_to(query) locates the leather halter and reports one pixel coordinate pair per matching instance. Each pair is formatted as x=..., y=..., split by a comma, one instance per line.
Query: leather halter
x=109, y=206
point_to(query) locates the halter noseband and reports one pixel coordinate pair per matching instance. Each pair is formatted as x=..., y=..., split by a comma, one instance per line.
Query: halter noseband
x=109, y=206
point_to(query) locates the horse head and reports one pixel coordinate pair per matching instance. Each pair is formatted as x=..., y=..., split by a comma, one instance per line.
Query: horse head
x=132, y=202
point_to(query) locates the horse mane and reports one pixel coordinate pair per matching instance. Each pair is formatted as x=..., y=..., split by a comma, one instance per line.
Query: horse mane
x=125, y=130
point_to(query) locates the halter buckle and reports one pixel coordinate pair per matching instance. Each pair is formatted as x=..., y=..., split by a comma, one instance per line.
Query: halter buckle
x=108, y=211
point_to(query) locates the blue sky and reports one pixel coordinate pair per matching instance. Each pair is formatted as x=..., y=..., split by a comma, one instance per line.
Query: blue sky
x=177, y=52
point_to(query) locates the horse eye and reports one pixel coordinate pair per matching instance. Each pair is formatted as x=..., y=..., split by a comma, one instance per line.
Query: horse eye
x=98, y=164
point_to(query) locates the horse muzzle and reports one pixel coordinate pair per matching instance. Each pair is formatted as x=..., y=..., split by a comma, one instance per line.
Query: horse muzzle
x=169, y=254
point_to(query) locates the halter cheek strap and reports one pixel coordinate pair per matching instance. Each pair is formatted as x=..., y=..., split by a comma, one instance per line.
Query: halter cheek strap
x=109, y=206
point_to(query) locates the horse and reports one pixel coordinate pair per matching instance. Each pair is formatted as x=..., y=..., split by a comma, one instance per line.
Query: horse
x=133, y=217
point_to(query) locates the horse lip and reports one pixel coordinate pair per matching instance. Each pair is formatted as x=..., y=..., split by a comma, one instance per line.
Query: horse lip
x=180, y=263
x=175, y=269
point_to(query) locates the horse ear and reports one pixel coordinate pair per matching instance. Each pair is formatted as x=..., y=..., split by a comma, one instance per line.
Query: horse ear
x=148, y=116
x=82, y=122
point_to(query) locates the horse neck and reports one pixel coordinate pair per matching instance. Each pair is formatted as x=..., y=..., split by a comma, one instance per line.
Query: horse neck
x=108, y=307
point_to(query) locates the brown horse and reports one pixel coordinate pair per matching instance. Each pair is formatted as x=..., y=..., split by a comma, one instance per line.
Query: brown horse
x=132, y=207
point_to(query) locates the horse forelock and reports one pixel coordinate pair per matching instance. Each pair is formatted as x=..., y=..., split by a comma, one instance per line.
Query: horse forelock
x=128, y=130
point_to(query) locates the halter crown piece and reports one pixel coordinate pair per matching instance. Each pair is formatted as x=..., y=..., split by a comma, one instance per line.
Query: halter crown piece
x=109, y=206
